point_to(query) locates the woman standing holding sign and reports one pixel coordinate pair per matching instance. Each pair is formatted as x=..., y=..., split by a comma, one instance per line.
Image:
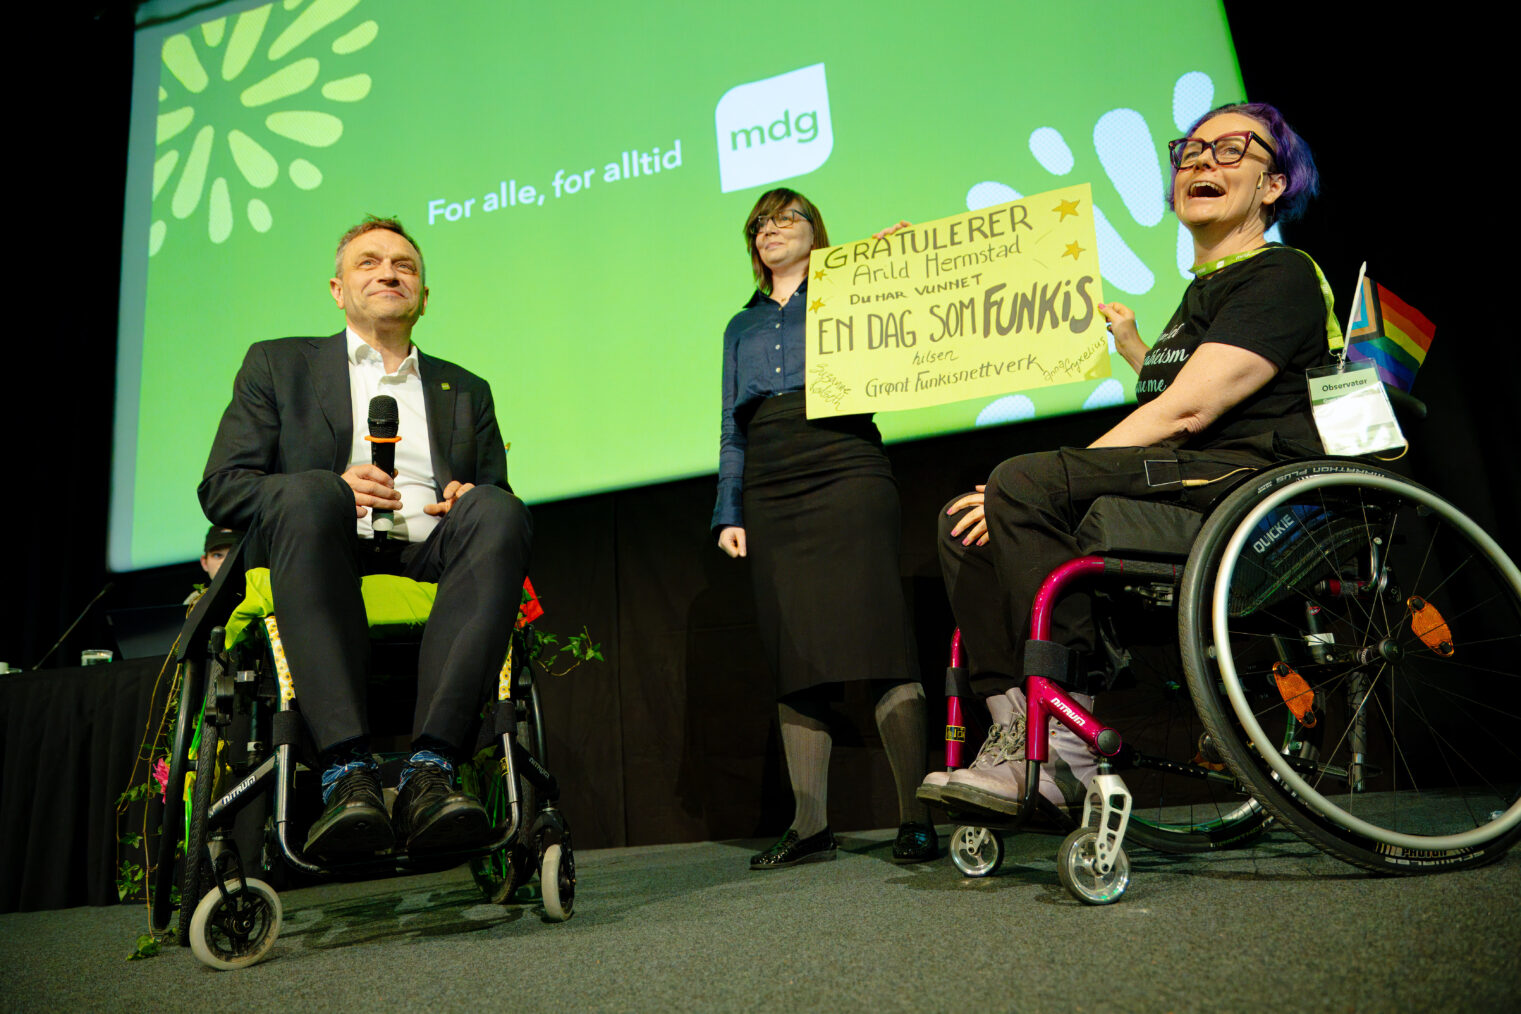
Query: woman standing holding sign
x=1220, y=394
x=813, y=505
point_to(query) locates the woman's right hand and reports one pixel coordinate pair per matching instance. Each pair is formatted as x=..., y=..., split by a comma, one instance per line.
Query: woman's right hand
x=904, y=224
x=732, y=541
x=1127, y=340
x=974, y=522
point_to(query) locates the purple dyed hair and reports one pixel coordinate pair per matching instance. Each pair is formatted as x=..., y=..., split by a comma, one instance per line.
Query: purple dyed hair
x=1292, y=158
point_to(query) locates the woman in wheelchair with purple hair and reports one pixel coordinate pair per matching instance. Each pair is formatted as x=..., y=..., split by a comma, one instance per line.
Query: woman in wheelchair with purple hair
x=1222, y=391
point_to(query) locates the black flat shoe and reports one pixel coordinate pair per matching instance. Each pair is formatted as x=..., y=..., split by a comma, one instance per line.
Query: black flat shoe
x=433, y=816
x=916, y=843
x=354, y=822
x=792, y=850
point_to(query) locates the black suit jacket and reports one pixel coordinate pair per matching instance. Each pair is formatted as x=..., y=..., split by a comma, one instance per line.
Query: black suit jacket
x=291, y=412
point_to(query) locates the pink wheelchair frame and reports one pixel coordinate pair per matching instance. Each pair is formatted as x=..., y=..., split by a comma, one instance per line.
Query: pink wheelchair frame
x=1091, y=862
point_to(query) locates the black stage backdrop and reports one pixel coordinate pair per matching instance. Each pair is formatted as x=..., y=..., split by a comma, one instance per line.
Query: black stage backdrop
x=673, y=737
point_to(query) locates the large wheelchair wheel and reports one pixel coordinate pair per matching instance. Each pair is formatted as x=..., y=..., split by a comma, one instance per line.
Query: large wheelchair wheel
x=197, y=875
x=1184, y=800
x=172, y=830
x=500, y=874
x=1353, y=644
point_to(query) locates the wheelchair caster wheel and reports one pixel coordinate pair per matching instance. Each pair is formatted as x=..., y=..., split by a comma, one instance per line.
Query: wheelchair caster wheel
x=238, y=930
x=1077, y=868
x=977, y=851
x=557, y=877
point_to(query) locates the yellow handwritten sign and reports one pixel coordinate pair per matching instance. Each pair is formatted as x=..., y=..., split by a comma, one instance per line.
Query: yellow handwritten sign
x=977, y=305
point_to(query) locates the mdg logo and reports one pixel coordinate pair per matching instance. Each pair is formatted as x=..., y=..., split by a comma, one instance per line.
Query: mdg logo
x=772, y=129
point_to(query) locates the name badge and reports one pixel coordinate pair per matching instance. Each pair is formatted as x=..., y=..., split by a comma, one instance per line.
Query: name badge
x=1352, y=410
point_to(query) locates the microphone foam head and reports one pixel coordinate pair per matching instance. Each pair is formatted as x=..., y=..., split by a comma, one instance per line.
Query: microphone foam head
x=384, y=418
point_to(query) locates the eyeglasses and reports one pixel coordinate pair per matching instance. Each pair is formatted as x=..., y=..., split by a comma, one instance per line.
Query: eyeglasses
x=782, y=220
x=1228, y=149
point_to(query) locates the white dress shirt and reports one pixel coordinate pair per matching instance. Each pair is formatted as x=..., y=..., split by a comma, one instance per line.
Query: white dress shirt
x=414, y=458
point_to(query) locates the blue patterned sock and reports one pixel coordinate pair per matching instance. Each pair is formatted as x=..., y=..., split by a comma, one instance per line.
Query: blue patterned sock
x=421, y=757
x=331, y=775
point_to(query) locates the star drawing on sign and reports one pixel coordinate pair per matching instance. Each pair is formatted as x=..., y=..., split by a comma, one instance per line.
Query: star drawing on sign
x=816, y=305
x=1073, y=250
x=1065, y=208
x=818, y=276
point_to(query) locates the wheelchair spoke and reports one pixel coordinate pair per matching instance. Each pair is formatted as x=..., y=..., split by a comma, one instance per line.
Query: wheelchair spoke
x=1380, y=576
x=1447, y=749
x=1475, y=727
x=1465, y=666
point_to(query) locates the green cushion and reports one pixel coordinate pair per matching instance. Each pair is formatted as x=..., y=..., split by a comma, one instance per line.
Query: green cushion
x=393, y=605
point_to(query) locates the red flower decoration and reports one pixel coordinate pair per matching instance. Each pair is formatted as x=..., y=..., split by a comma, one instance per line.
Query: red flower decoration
x=530, y=609
x=161, y=775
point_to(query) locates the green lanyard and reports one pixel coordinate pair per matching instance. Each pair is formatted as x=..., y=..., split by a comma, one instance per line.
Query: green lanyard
x=1333, y=329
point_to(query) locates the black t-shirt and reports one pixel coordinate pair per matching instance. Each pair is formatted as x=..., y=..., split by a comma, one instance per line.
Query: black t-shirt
x=1270, y=304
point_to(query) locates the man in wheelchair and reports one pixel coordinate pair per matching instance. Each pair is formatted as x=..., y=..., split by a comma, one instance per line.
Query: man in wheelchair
x=1221, y=393
x=292, y=465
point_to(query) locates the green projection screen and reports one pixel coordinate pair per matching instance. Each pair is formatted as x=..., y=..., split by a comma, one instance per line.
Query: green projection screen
x=577, y=177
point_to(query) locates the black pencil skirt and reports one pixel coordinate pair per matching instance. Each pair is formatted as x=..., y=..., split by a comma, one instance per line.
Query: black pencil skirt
x=822, y=524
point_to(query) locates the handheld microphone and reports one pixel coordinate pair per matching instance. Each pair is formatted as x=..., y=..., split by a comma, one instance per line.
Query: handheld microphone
x=384, y=421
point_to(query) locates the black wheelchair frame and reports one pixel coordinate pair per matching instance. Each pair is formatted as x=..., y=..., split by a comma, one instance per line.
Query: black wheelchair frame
x=241, y=701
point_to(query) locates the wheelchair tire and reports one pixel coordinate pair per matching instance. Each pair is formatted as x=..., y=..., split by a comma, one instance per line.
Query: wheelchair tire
x=238, y=930
x=1181, y=804
x=1351, y=641
x=1076, y=870
x=172, y=830
x=558, y=878
x=976, y=851
x=1233, y=828
x=197, y=876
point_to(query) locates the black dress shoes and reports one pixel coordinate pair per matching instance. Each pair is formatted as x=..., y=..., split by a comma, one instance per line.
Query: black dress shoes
x=354, y=822
x=916, y=843
x=792, y=850
x=433, y=816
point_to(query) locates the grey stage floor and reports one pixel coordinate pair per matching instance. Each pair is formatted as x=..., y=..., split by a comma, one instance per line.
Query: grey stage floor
x=1279, y=927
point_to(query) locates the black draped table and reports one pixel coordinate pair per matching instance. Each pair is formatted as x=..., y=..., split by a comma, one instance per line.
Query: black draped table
x=68, y=739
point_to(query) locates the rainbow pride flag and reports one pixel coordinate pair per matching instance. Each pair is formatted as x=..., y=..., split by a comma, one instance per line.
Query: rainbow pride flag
x=1389, y=333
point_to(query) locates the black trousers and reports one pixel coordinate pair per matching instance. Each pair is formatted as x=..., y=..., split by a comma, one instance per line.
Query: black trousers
x=478, y=554
x=1034, y=504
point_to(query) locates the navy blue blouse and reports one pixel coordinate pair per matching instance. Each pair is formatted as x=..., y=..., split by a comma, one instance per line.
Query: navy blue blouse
x=763, y=356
